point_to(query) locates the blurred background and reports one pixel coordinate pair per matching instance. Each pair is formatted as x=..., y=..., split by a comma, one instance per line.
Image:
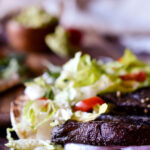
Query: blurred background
x=34, y=32
x=125, y=23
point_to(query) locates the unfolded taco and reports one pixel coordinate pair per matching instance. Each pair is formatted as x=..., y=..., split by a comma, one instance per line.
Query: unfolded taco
x=86, y=101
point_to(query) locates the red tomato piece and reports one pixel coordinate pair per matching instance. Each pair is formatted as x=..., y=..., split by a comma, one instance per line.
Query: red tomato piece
x=43, y=98
x=87, y=104
x=140, y=77
x=120, y=59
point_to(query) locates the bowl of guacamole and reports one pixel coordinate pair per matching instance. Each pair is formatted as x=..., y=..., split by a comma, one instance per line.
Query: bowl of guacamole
x=26, y=31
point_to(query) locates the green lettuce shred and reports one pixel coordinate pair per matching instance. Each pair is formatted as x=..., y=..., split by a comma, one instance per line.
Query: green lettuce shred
x=87, y=116
x=31, y=111
x=9, y=136
x=32, y=144
x=88, y=71
x=50, y=114
x=128, y=63
x=59, y=43
x=81, y=71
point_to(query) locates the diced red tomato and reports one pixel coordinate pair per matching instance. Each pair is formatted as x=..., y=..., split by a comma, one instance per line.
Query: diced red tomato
x=120, y=59
x=75, y=35
x=87, y=104
x=43, y=98
x=140, y=77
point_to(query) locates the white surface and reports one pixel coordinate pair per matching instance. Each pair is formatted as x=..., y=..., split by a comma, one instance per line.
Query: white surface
x=136, y=43
x=115, y=16
x=9, y=6
x=90, y=147
x=120, y=17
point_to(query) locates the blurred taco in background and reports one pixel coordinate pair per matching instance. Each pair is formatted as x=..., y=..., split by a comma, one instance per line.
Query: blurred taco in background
x=13, y=71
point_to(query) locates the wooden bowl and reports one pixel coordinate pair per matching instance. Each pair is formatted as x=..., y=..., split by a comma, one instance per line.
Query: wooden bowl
x=26, y=39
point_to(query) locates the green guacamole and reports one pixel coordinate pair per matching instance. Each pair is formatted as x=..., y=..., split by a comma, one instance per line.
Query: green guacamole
x=35, y=17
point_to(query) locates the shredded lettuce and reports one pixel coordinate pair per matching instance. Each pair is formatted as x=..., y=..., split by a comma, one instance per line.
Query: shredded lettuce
x=87, y=116
x=68, y=72
x=40, y=87
x=52, y=68
x=33, y=109
x=82, y=77
x=81, y=71
x=9, y=137
x=88, y=71
x=38, y=81
x=51, y=111
x=43, y=86
x=87, y=78
x=49, y=94
x=28, y=112
x=29, y=144
x=40, y=116
x=128, y=63
x=32, y=144
x=129, y=59
x=35, y=91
